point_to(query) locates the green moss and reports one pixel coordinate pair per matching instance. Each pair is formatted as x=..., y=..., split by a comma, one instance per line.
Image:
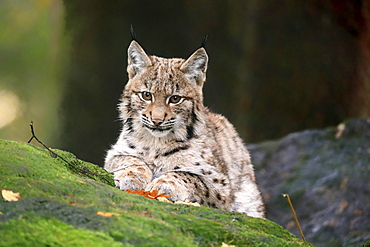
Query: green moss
x=36, y=231
x=59, y=207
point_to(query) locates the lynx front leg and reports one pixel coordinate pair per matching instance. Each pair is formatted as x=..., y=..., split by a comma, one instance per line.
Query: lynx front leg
x=175, y=184
x=129, y=172
x=195, y=188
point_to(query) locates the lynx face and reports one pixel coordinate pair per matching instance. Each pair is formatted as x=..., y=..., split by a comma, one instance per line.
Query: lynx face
x=161, y=95
x=161, y=114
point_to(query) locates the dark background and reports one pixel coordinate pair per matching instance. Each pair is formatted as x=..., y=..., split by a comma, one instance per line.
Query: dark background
x=275, y=66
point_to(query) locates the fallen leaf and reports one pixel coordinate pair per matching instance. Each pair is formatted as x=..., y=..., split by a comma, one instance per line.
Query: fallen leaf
x=161, y=197
x=106, y=214
x=227, y=245
x=77, y=204
x=10, y=196
x=342, y=205
x=340, y=129
x=290, y=225
x=148, y=194
x=356, y=212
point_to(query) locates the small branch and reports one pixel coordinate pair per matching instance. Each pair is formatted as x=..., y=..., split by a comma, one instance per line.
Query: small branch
x=37, y=139
x=54, y=155
x=295, y=216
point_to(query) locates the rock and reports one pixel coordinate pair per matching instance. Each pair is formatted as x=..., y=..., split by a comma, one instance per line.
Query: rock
x=327, y=175
x=63, y=204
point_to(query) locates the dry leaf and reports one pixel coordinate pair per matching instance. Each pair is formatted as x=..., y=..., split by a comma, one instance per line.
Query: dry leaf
x=10, y=196
x=227, y=245
x=340, y=129
x=77, y=204
x=356, y=212
x=148, y=194
x=342, y=206
x=106, y=214
x=161, y=197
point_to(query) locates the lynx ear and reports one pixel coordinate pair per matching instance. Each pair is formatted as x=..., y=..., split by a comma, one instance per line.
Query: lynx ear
x=196, y=66
x=138, y=60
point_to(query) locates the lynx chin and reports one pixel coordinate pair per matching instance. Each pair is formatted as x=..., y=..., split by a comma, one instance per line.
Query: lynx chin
x=172, y=143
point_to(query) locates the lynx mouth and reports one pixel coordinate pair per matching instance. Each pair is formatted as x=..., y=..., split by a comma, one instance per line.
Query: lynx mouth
x=158, y=131
x=158, y=128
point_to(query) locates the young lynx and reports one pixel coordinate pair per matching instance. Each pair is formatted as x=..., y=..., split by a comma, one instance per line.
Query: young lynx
x=172, y=143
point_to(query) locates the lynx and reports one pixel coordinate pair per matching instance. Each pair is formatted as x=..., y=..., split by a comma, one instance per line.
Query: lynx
x=172, y=143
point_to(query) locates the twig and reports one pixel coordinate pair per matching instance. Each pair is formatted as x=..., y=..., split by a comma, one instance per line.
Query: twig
x=295, y=216
x=54, y=154
x=37, y=139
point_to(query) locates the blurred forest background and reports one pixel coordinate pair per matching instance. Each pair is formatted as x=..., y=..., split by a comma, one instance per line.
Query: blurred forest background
x=275, y=66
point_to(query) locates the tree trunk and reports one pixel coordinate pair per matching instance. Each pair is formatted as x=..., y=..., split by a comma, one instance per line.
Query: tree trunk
x=275, y=66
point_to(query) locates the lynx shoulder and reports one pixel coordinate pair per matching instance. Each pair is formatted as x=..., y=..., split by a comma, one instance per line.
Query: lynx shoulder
x=172, y=143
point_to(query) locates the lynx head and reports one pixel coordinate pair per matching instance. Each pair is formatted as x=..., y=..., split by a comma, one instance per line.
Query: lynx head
x=163, y=97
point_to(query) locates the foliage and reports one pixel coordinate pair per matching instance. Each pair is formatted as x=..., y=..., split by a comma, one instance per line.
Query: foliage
x=31, y=58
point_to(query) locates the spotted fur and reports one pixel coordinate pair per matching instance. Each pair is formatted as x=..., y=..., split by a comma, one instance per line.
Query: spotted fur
x=172, y=143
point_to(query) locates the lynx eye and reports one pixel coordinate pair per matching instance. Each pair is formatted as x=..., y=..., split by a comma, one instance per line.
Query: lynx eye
x=175, y=99
x=146, y=96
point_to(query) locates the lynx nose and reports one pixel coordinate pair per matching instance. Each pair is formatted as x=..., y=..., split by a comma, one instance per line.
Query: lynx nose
x=157, y=117
x=157, y=121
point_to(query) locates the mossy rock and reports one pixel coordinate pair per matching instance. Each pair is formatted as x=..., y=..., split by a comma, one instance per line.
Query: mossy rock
x=59, y=206
x=326, y=173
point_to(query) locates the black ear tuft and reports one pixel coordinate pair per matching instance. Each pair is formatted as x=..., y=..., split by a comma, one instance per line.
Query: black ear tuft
x=203, y=45
x=133, y=34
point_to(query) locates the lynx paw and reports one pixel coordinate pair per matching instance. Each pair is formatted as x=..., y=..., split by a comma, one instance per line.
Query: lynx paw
x=132, y=178
x=127, y=183
x=169, y=185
